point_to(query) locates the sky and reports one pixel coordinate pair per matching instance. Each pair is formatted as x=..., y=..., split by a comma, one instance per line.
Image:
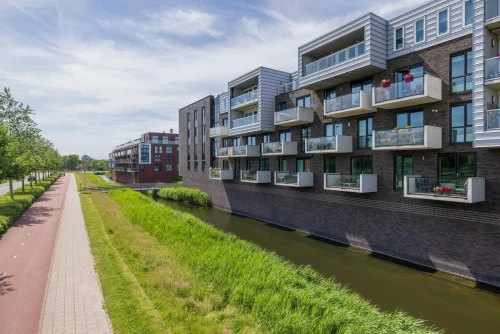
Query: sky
x=101, y=72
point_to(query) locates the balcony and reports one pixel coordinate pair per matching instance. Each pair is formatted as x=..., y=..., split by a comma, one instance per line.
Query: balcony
x=360, y=183
x=289, y=87
x=294, y=116
x=337, y=58
x=413, y=138
x=222, y=152
x=492, y=14
x=460, y=190
x=132, y=170
x=219, y=132
x=288, y=179
x=335, y=144
x=349, y=105
x=244, y=151
x=493, y=119
x=492, y=73
x=280, y=148
x=245, y=121
x=220, y=174
x=245, y=100
x=426, y=89
x=256, y=176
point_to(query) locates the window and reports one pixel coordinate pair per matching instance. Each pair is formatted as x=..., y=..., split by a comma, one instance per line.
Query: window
x=461, y=72
x=195, y=131
x=403, y=165
x=330, y=94
x=264, y=164
x=160, y=149
x=266, y=138
x=248, y=164
x=195, y=115
x=195, y=151
x=362, y=165
x=177, y=140
x=282, y=165
x=455, y=168
x=413, y=119
x=237, y=165
x=189, y=165
x=156, y=149
x=203, y=112
x=468, y=12
x=236, y=141
x=420, y=30
x=442, y=19
x=196, y=166
x=304, y=101
x=225, y=142
x=281, y=106
x=142, y=168
x=303, y=165
x=365, y=133
x=144, y=157
x=155, y=139
x=225, y=164
x=285, y=135
x=398, y=38
x=461, y=123
x=170, y=158
x=169, y=167
x=203, y=165
x=169, y=149
x=224, y=122
x=330, y=165
x=189, y=117
x=306, y=132
x=333, y=129
x=251, y=140
x=165, y=140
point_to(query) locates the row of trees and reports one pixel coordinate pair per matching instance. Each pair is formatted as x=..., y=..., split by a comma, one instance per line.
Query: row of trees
x=23, y=150
x=74, y=162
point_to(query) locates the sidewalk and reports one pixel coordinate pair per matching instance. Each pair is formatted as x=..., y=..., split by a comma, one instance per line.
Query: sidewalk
x=73, y=302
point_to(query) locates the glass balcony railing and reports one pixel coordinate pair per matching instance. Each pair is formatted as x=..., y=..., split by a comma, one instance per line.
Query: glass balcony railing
x=399, y=90
x=493, y=119
x=335, y=59
x=400, y=137
x=342, y=102
x=286, y=178
x=321, y=144
x=342, y=181
x=215, y=173
x=222, y=151
x=492, y=68
x=272, y=148
x=286, y=115
x=437, y=187
x=492, y=9
x=240, y=150
x=245, y=121
x=291, y=86
x=249, y=175
x=245, y=98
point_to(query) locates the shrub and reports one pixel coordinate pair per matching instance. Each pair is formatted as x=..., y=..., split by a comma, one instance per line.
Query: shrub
x=99, y=173
x=190, y=195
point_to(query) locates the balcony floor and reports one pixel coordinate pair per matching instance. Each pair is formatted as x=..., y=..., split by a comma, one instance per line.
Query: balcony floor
x=493, y=23
x=293, y=122
x=493, y=83
x=406, y=102
x=403, y=148
x=350, y=112
x=440, y=198
x=245, y=105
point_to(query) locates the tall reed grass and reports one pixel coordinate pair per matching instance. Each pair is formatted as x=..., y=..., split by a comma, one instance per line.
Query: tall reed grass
x=281, y=296
x=190, y=195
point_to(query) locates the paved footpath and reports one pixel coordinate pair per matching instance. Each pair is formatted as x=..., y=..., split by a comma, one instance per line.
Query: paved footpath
x=49, y=284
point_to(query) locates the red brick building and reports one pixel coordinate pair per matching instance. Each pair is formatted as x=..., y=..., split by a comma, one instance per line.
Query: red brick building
x=152, y=158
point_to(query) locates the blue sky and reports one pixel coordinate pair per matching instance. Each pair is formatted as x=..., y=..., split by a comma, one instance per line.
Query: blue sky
x=101, y=72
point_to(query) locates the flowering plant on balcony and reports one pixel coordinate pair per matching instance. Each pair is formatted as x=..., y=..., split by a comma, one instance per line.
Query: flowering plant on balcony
x=436, y=189
x=395, y=130
x=446, y=189
x=386, y=83
x=497, y=55
x=408, y=77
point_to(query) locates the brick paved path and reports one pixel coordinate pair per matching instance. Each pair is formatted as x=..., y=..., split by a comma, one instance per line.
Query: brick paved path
x=73, y=301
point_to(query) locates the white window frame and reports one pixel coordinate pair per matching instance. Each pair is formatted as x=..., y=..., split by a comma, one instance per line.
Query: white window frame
x=402, y=36
x=415, y=30
x=463, y=12
x=447, y=21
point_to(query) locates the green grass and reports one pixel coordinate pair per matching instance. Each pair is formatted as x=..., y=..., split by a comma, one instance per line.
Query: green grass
x=10, y=209
x=193, y=196
x=280, y=296
x=91, y=179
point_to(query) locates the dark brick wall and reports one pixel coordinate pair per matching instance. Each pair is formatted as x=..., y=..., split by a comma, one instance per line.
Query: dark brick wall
x=458, y=238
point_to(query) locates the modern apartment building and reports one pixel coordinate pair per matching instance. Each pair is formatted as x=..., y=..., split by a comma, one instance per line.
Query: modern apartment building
x=387, y=138
x=152, y=158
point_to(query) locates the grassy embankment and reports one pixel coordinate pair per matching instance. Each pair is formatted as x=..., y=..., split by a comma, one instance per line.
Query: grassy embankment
x=162, y=268
x=91, y=179
x=189, y=195
x=10, y=209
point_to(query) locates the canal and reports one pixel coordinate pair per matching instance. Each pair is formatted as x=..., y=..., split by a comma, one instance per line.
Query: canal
x=443, y=304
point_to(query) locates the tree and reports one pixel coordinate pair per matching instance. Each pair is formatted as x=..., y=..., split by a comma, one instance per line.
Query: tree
x=71, y=161
x=98, y=165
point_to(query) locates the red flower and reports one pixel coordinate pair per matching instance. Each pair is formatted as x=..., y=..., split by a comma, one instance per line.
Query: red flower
x=446, y=189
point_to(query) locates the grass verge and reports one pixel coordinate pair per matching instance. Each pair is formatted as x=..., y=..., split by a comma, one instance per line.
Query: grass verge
x=193, y=196
x=10, y=209
x=91, y=179
x=235, y=274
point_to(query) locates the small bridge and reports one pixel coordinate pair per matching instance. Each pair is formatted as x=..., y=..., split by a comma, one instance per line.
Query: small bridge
x=136, y=187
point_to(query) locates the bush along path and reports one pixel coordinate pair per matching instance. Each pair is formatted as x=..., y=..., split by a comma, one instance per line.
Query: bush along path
x=189, y=265
x=11, y=209
x=189, y=195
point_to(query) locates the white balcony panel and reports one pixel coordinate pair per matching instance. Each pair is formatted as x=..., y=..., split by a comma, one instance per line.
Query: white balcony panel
x=244, y=151
x=470, y=191
x=218, y=174
x=299, y=179
x=418, y=138
x=492, y=73
x=335, y=144
x=219, y=132
x=256, y=176
x=421, y=90
x=294, y=116
x=362, y=183
x=280, y=148
x=349, y=105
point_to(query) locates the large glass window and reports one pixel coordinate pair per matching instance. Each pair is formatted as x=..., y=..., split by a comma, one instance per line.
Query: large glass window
x=144, y=154
x=365, y=132
x=468, y=12
x=456, y=168
x=403, y=165
x=461, y=72
x=442, y=18
x=225, y=122
x=264, y=164
x=237, y=167
x=398, y=38
x=236, y=141
x=413, y=119
x=461, y=123
x=266, y=138
x=305, y=132
x=251, y=140
x=303, y=165
x=333, y=129
x=169, y=167
x=330, y=94
x=248, y=164
x=362, y=165
x=420, y=30
x=285, y=135
x=330, y=165
x=281, y=106
x=282, y=165
x=304, y=101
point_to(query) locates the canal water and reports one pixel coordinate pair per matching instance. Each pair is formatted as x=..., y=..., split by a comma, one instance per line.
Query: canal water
x=443, y=304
